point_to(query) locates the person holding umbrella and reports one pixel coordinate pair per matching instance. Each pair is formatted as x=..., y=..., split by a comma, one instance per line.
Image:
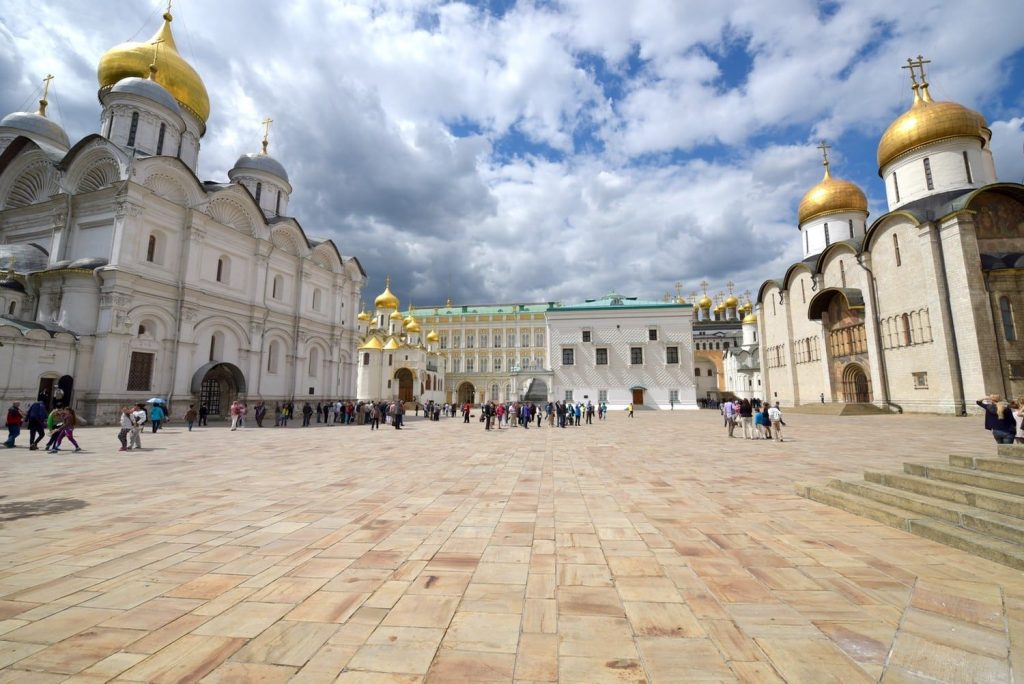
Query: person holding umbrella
x=157, y=413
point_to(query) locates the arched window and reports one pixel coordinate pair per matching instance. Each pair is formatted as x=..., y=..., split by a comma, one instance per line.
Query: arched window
x=12, y=308
x=696, y=371
x=314, y=361
x=142, y=330
x=160, y=139
x=908, y=335
x=277, y=287
x=277, y=205
x=134, y=129
x=316, y=299
x=272, y=352
x=259, y=191
x=1006, y=313
x=896, y=248
x=151, y=249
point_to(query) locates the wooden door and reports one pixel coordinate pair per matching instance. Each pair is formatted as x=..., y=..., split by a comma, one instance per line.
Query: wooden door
x=638, y=398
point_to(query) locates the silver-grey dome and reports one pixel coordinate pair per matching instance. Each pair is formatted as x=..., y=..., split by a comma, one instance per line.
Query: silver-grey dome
x=261, y=162
x=88, y=262
x=148, y=89
x=37, y=125
x=11, y=283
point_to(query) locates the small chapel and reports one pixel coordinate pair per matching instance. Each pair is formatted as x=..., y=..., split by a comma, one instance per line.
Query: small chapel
x=917, y=309
x=124, y=277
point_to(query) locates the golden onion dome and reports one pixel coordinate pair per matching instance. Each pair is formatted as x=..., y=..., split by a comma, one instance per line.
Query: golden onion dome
x=395, y=316
x=732, y=302
x=831, y=196
x=412, y=326
x=928, y=121
x=387, y=298
x=363, y=316
x=432, y=336
x=173, y=72
x=749, y=318
x=705, y=302
x=392, y=344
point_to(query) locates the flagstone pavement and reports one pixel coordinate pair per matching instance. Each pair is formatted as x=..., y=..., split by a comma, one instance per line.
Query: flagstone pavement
x=652, y=549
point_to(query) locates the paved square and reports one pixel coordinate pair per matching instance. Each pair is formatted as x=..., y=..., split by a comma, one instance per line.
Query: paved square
x=652, y=549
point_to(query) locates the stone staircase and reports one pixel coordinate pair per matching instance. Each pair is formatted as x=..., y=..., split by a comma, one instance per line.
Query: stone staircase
x=838, y=408
x=974, y=503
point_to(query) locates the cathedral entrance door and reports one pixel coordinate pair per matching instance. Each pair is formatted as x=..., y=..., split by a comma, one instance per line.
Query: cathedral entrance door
x=45, y=393
x=216, y=385
x=638, y=396
x=856, y=387
x=405, y=383
x=467, y=393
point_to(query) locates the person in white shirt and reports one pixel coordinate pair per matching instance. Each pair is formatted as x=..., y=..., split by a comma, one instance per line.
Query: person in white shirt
x=138, y=420
x=126, y=427
x=775, y=416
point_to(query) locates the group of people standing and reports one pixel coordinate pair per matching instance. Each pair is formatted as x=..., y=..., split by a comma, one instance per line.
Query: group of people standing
x=759, y=420
x=524, y=414
x=60, y=422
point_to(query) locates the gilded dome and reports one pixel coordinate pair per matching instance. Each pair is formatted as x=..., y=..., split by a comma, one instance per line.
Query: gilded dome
x=173, y=72
x=705, y=302
x=928, y=121
x=395, y=316
x=412, y=326
x=387, y=298
x=731, y=302
x=392, y=344
x=432, y=336
x=363, y=316
x=831, y=196
x=749, y=318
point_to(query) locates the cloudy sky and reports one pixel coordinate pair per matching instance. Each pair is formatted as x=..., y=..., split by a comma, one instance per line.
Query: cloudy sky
x=548, y=149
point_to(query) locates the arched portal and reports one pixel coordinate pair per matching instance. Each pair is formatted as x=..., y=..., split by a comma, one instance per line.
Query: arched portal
x=467, y=392
x=856, y=386
x=405, y=384
x=217, y=384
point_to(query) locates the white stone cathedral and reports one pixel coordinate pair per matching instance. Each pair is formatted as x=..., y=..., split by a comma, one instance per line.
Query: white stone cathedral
x=917, y=310
x=125, y=277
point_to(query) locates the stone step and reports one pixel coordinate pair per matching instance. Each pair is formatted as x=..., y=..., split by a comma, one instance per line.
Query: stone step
x=984, y=499
x=1003, y=466
x=968, y=517
x=997, y=550
x=1010, y=451
x=974, y=478
x=1007, y=553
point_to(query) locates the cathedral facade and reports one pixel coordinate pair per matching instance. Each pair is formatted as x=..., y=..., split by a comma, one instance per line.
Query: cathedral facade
x=126, y=277
x=916, y=310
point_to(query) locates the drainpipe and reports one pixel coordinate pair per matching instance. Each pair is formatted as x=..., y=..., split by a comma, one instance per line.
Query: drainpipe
x=882, y=370
x=952, y=326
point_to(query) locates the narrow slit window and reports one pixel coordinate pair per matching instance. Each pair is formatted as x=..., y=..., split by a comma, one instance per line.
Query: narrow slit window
x=259, y=191
x=967, y=168
x=828, y=241
x=160, y=139
x=928, y=173
x=1006, y=313
x=896, y=248
x=133, y=130
x=896, y=186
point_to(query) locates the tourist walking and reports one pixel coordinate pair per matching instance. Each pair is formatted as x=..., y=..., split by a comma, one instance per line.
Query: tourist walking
x=260, y=411
x=729, y=412
x=747, y=419
x=15, y=417
x=139, y=418
x=190, y=416
x=235, y=411
x=36, y=418
x=998, y=419
x=629, y=410
x=70, y=420
x=759, y=419
x=374, y=416
x=156, y=416
x=53, y=424
x=126, y=427
x=204, y=412
x=775, y=416
x=766, y=421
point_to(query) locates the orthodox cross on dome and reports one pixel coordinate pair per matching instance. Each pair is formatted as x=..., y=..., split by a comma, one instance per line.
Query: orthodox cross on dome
x=266, y=141
x=919, y=63
x=704, y=286
x=913, y=74
x=825, y=147
x=667, y=297
x=46, y=91
x=730, y=285
x=693, y=297
x=156, y=54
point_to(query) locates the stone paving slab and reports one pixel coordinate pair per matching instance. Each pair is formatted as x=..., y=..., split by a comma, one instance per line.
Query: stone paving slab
x=651, y=550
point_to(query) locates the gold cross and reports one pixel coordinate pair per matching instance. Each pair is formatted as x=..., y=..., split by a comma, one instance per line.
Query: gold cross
x=46, y=85
x=730, y=285
x=704, y=285
x=266, y=132
x=679, y=288
x=921, y=61
x=156, y=56
x=824, y=147
x=913, y=74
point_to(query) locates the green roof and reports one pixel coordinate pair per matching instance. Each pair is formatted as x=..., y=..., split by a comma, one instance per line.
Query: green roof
x=482, y=309
x=614, y=300
x=610, y=301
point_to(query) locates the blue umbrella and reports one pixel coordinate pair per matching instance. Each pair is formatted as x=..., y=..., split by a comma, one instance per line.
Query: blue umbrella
x=155, y=400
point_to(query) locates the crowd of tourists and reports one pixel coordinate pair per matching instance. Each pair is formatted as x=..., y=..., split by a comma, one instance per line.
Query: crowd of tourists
x=757, y=419
x=59, y=422
x=1004, y=419
x=512, y=414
